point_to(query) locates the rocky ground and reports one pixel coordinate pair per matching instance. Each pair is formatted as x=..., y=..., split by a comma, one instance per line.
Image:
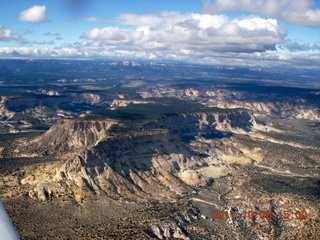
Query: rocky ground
x=68, y=174
x=154, y=185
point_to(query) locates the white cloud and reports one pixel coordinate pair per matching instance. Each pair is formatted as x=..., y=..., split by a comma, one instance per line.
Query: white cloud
x=293, y=11
x=299, y=47
x=6, y=35
x=112, y=34
x=197, y=38
x=22, y=52
x=35, y=14
x=194, y=31
x=90, y=51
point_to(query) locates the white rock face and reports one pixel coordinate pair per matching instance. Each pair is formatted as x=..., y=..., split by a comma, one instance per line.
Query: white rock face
x=192, y=92
x=312, y=114
x=297, y=108
x=152, y=164
x=206, y=123
x=131, y=167
x=70, y=133
x=53, y=93
x=88, y=98
x=167, y=231
x=137, y=167
x=192, y=177
x=124, y=103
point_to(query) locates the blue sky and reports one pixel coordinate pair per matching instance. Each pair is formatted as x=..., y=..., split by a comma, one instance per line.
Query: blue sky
x=219, y=32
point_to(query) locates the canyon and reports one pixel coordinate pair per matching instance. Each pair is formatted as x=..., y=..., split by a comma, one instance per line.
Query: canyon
x=153, y=159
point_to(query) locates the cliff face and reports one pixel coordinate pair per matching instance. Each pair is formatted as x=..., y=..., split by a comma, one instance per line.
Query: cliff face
x=187, y=126
x=74, y=134
x=313, y=114
x=151, y=164
x=71, y=134
x=124, y=103
x=132, y=167
x=293, y=108
x=137, y=167
x=88, y=98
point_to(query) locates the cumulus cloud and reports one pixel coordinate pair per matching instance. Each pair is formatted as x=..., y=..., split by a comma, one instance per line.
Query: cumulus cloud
x=86, y=50
x=194, y=31
x=292, y=11
x=299, y=47
x=39, y=52
x=7, y=35
x=198, y=38
x=35, y=14
x=109, y=34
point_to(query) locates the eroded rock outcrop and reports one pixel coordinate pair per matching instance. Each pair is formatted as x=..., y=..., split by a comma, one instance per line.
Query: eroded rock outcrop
x=145, y=165
x=187, y=126
x=296, y=108
x=124, y=103
x=151, y=164
x=142, y=166
x=312, y=114
x=88, y=98
x=73, y=134
x=174, y=228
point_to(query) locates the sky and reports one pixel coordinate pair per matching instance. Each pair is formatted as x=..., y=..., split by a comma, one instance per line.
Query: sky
x=260, y=33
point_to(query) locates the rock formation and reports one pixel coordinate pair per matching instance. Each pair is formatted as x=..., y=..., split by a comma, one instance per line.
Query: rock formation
x=73, y=134
x=151, y=164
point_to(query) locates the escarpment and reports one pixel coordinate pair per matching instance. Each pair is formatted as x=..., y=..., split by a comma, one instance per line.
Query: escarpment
x=136, y=167
x=211, y=124
x=73, y=134
x=154, y=162
x=293, y=109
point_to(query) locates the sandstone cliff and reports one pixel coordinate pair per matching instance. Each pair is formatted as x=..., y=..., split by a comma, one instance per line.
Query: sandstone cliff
x=297, y=107
x=153, y=163
x=124, y=103
x=73, y=134
x=136, y=167
x=211, y=124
